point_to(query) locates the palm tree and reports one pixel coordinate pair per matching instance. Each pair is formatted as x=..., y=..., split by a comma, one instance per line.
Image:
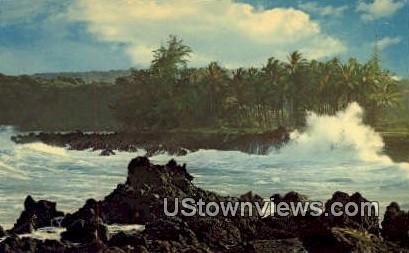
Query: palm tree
x=296, y=68
x=277, y=82
x=215, y=81
x=167, y=60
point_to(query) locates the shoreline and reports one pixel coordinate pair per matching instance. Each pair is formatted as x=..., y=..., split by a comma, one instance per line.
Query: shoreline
x=175, y=143
x=181, y=142
x=140, y=201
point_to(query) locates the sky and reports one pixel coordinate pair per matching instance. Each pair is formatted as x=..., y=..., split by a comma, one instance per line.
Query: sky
x=81, y=35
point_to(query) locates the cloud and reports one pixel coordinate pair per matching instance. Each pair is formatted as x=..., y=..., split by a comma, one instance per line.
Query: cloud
x=39, y=38
x=387, y=42
x=25, y=11
x=233, y=33
x=328, y=10
x=379, y=8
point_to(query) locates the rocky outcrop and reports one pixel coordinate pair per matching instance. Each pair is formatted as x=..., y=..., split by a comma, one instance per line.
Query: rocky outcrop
x=36, y=214
x=276, y=246
x=14, y=244
x=395, y=225
x=107, y=152
x=175, y=143
x=2, y=232
x=86, y=231
x=365, y=218
x=140, y=200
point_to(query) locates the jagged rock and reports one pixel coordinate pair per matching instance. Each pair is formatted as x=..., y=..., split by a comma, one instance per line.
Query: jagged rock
x=251, y=197
x=173, y=246
x=87, y=212
x=36, y=214
x=94, y=246
x=52, y=246
x=14, y=244
x=122, y=240
x=292, y=225
x=2, y=233
x=107, y=152
x=219, y=233
x=316, y=229
x=365, y=222
x=277, y=246
x=175, y=144
x=140, y=200
x=85, y=226
x=171, y=229
x=349, y=240
x=288, y=197
x=114, y=250
x=86, y=231
x=395, y=225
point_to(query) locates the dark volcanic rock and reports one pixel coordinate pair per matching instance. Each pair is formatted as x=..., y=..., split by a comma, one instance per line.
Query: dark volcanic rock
x=365, y=222
x=140, y=201
x=85, y=225
x=277, y=246
x=175, y=143
x=87, y=212
x=220, y=234
x=14, y=244
x=288, y=198
x=317, y=232
x=395, y=225
x=171, y=229
x=251, y=197
x=107, y=152
x=348, y=240
x=36, y=214
x=2, y=233
x=123, y=240
x=86, y=231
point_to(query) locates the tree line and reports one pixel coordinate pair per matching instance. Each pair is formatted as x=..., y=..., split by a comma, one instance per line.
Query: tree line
x=169, y=94
x=63, y=103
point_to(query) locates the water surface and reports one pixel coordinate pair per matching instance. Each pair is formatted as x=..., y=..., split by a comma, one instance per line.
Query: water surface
x=334, y=153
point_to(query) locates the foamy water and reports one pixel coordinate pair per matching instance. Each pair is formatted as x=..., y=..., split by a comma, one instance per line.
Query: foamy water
x=333, y=153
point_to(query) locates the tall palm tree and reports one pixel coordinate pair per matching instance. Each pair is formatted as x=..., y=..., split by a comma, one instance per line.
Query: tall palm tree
x=296, y=68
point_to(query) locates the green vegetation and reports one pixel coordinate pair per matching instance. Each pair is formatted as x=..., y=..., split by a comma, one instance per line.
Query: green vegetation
x=107, y=77
x=170, y=95
x=59, y=104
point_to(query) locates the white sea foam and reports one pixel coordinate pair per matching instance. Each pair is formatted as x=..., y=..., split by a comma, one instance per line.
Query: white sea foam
x=333, y=153
x=342, y=137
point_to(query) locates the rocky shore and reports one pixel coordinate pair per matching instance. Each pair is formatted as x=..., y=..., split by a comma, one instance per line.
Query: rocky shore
x=140, y=201
x=173, y=143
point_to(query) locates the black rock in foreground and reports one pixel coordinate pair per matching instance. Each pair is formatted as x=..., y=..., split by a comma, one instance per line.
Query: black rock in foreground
x=36, y=214
x=140, y=201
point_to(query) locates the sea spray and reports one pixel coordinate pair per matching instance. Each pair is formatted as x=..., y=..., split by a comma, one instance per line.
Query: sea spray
x=333, y=153
x=340, y=137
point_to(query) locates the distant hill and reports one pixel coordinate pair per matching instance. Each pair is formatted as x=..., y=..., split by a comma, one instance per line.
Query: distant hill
x=90, y=76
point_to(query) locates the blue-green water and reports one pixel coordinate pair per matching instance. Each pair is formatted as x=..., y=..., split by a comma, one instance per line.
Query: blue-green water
x=334, y=153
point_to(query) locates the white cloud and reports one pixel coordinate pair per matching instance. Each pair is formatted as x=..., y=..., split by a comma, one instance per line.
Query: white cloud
x=379, y=8
x=387, y=42
x=233, y=33
x=328, y=10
